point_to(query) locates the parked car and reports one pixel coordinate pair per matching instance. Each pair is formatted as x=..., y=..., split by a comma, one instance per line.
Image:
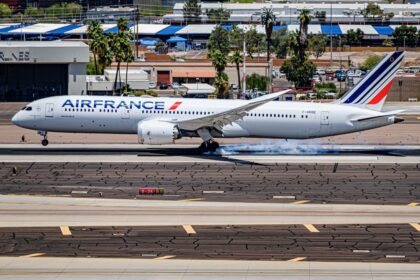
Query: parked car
x=330, y=94
x=234, y=86
x=152, y=85
x=175, y=85
x=320, y=72
x=163, y=85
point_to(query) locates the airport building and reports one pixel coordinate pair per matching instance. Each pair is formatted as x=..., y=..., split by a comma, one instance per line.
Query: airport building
x=31, y=70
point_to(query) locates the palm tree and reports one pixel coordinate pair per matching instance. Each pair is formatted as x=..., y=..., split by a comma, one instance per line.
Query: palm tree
x=95, y=34
x=304, y=19
x=129, y=57
x=237, y=59
x=221, y=82
x=218, y=60
x=120, y=44
x=268, y=19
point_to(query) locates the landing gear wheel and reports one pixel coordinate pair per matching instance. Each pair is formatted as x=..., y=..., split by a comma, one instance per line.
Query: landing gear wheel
x=43, y=133
x=213, y=146
x=208, y=146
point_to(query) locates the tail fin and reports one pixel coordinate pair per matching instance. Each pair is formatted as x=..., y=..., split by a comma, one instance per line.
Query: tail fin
x=372, y=90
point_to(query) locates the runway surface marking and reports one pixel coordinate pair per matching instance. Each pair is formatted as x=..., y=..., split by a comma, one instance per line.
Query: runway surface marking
x=189, y=229
x=311, y=228
x=298, y=259
x=65, y=230
x=165, y=257
x=192, y=199
x=413, y=204
x=32, y=255
x=416, y=226
x=352, y=242
x=301, y=202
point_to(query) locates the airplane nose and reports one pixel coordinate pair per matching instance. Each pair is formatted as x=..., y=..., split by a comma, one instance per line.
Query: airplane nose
x=16, y=120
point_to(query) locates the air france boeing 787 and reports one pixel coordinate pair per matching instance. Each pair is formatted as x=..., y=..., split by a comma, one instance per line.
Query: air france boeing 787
x=163, y=120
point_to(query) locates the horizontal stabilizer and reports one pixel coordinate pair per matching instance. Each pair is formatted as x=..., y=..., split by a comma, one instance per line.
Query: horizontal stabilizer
x=387, y=114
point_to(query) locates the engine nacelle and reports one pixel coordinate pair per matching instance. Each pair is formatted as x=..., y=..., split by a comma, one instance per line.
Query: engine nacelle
x=157, y=132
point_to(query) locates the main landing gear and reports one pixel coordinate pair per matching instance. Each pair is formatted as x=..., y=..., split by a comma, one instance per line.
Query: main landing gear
x=209, y=145
x=43, y=133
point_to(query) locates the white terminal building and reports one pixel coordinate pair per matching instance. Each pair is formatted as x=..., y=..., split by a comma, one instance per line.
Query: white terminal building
x=343, y=11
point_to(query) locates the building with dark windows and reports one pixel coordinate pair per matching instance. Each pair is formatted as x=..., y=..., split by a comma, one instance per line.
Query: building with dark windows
x=31, y=70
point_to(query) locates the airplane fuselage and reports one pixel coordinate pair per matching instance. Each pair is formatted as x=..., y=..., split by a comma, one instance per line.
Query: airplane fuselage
x=275, y=119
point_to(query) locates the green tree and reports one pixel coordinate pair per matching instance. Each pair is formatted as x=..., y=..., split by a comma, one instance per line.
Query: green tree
x=297, y=72
x=304, y=19
x=237, y=59
x=236, y=37
x=218, y=15
x=73, y=9
x=120, y=45
x=192, y=11
x=219, y=40
x=34, y=12
x=5, y=10
x=64, y=10
x=268, y=19
x=370, y=62
x=255, y=81
x=97, y=41
x=388, y=42
x=255, y=42
x=317, y=44
x=219, y=61
x=281, y=43
x=354, y=37
x=298, y=69
x=406, y=34
x=221, y=82
x=375, y=13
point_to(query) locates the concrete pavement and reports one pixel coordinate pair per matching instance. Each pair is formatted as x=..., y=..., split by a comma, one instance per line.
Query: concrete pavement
x=109, y=268
x=32, y=211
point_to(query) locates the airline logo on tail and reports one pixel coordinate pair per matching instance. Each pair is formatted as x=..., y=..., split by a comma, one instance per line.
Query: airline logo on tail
x=373, y=89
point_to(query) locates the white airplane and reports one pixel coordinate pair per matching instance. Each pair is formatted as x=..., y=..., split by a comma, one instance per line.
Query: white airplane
x=163, y=120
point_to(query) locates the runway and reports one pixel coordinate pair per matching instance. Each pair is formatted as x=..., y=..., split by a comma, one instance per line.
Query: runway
x=89, y=268
x=350, y=242
x=311, y=181
x=52, y=226
x=33, y=211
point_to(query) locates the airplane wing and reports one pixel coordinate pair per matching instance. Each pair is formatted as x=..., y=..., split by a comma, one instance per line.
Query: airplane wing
x=221, y=119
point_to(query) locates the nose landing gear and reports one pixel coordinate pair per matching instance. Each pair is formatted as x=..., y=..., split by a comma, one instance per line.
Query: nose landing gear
x=43, y=133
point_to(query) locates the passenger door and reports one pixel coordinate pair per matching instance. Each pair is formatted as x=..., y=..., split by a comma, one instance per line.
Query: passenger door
x=49, y=110
x=325, y=118
x=125, y=114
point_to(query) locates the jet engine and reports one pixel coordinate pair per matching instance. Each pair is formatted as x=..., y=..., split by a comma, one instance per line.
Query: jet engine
x=155, y=132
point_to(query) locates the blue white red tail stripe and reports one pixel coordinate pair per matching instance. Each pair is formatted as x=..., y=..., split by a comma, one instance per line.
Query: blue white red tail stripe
x=388, y=65
x=381, y=80
x=372, y=90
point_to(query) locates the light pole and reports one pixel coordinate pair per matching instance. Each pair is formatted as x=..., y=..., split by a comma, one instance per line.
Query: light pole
x=331, y=43
x=244, y=67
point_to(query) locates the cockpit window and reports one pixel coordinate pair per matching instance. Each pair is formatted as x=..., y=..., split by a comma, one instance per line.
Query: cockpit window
x=28, y=108
x=23, y=108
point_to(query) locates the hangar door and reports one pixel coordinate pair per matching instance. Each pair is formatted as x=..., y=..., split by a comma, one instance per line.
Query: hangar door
x=27, y=82
x=163, y=76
